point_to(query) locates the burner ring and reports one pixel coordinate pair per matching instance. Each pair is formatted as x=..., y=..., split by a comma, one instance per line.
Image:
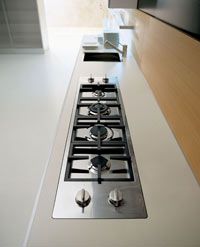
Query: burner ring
x=96, y=129
x=99, y=160
x=99, y=107
x=108, y=137
x=99, y=93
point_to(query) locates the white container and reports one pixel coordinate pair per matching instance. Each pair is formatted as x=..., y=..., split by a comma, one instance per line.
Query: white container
x=90, y=42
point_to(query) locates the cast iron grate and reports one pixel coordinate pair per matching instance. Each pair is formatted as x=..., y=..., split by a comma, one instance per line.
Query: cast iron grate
x=81, y=148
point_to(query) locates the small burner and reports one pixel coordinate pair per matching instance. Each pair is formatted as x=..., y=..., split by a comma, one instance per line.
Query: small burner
x=99, y=161
x=98, y=128
x=102, y=108
x=99, y=93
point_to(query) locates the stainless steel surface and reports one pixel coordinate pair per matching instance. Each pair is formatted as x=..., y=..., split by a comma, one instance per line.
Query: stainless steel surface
x=99, y=207
x=132, y=205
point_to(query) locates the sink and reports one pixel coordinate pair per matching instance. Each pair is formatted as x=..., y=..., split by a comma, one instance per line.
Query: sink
x=101, y=57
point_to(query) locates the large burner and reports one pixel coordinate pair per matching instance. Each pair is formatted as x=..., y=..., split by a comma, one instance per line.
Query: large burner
x=96, y=108
x=99, y=161
x=98, y=129
x=105, y=133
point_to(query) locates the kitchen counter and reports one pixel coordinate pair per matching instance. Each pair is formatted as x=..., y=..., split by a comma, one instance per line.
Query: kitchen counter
x=171, y=193
x=32, y=91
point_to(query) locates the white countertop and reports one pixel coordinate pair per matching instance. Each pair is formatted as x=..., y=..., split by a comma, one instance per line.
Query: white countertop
x=32, y=91
x=171, y=193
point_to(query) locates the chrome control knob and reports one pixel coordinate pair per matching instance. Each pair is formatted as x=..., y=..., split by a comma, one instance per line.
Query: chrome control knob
x=105, y=79
x=90, y=79
x=115, y=197
x=83, y=198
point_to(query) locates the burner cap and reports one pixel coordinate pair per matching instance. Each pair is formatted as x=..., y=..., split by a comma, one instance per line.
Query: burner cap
x=98, y=128
x=103, y=109
x=99, y=160
x=99, y=93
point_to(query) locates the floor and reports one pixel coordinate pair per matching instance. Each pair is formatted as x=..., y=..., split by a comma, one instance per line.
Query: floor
x=32, y=90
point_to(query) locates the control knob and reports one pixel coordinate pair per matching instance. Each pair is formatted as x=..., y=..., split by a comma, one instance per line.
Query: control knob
x=115, y=197
x=90, y=79
x=83, y=198
x=105, y=79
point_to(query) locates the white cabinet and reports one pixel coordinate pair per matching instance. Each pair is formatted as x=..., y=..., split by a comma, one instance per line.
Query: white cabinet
x=4, y=34
x=20, y=26
x=123, y=4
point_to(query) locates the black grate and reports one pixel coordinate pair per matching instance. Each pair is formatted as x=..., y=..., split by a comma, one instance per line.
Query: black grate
x=81, y=148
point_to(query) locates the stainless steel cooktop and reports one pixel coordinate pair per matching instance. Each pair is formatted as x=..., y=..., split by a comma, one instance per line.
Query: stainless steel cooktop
x=99, y=176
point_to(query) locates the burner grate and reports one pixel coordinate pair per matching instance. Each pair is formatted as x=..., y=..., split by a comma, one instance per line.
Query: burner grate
x=116, y=148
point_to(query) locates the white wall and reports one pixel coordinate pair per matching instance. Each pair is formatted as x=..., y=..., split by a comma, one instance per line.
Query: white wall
x=75, y=13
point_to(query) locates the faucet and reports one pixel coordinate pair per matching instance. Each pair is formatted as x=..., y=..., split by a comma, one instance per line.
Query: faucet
x=126, y=27
x=123, y=51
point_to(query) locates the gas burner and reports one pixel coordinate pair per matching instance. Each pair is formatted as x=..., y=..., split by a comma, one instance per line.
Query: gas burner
x=106, y=133
x=99, y=93
x=99, y=161
x=96, y=129
x=99, y=107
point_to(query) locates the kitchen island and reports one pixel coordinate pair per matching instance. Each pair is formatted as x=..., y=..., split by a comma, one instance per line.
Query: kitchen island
x=172, y=195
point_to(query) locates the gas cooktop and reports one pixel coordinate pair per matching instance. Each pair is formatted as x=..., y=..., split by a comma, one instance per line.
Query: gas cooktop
x=99, y=176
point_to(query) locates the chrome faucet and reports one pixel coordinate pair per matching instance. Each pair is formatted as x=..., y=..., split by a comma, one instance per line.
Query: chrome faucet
x=123, y=51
